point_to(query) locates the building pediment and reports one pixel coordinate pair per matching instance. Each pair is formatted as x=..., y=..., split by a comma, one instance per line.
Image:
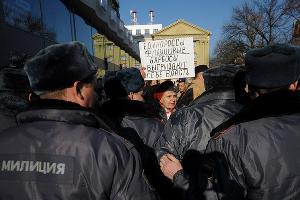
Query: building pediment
x=181, y=27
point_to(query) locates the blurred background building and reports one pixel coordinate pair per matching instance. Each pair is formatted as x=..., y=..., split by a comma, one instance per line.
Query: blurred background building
x=182, y=28
x=118, y=58
x=26, y=26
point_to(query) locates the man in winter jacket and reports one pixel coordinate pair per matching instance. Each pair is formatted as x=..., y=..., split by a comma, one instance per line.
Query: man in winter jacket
x=257, y=149
x=126, y=107
x=188, y=130
x=131, y=118
x=261, y=143
x=190, y=127
x=61, y=150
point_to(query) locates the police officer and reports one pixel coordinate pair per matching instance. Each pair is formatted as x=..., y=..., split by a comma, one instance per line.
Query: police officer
x=261, y=143
x=61, y=150
x=190, y=127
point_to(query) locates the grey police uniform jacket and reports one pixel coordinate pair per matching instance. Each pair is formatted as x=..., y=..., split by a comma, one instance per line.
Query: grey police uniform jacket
x=261, y=146
x=190, y=127
x=139, y=124
x=61, y=151
x=128, y=117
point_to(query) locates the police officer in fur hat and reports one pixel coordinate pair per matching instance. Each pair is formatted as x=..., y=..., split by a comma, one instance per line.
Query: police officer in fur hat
x=188, y=129
x=136, y=121
x=261, y=143
x=125, y=92
x=60, y=149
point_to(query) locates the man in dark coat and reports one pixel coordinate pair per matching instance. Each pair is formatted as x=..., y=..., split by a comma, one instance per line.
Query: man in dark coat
x=190, y=127
x=14, y=93
x=126, y=107
x=188, y=130
x=182, y=99
x=61, y=150
x=133, y=119
x=261, y=143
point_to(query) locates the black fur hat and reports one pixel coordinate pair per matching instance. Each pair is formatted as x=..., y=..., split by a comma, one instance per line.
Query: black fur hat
x=59, y=66
x=112, y=86
x=273, y=66
x=220, y=77
x=131, y=79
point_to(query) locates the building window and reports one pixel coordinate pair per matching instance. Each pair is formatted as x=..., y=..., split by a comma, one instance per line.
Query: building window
x=53, y=24
x=23, y=14
x=109, y=47
x=109, y=59
x=103, y=4
x=147, y=32
x=83, y=33
x=138, y=31
x=123, y=58
x=121, y=24
x=195, y=43
x=155, y=30
x=195, y=56
x=113, y=15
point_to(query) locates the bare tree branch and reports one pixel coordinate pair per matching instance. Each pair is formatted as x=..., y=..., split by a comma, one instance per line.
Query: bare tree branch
x=257, y=23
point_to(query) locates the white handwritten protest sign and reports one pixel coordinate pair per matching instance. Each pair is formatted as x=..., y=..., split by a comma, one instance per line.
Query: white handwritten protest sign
x=168, y=59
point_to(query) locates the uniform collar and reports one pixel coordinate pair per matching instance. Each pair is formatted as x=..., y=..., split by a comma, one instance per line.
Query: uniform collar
x=60, y=111
x=273, y=104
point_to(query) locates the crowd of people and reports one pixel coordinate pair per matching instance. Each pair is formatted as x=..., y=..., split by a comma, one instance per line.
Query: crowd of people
x=230, y=133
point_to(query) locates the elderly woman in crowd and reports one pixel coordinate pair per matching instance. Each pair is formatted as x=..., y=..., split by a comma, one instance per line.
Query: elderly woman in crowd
x=166, y=95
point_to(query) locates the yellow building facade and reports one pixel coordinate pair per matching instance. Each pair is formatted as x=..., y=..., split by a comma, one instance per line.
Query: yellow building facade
x=105, y=49
x=115, y=56
x=181, y=28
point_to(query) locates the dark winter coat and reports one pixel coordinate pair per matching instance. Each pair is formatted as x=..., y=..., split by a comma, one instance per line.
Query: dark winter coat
x=62, y=151
x=139, y=124
x=190, y=127
x=136, y=116
x=10, y=106
x=261, y=147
